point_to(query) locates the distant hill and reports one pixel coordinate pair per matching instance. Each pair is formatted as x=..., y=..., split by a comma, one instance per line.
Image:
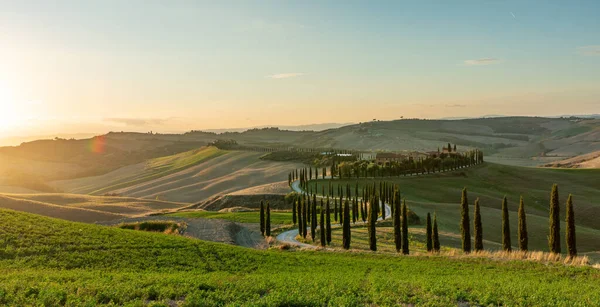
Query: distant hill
x=311, y=127
x=591, y=160
x=528, y=141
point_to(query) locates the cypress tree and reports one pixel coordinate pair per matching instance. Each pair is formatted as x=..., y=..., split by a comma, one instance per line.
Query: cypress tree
x=404, y=229
x=523, y=237
x=268, y=221
x=372, y=230
x=313, y=219
x=570, y=234
x=429, y=233
x=328, y=222
x=322, y=226
x=346, y=225
x=554, y=237
x=397, y=225
x=335, y=210
x=304, y=219
x=308, y=208
x=506, y=245
x=299, y=210
x=262, y=217
x=294, y=212
x=436, y=235
x=477, y=227
x=465, y=222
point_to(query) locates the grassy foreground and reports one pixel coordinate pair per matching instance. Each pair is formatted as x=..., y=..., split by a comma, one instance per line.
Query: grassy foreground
x=45, y=261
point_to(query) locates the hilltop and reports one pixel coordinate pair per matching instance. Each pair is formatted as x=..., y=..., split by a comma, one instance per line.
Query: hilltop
x=54, y=262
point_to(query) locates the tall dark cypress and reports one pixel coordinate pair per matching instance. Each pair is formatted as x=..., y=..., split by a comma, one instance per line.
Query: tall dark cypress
x=478, y=227
x=305, y=219
x=299, y=210
x=322, y=226
x=554, y=237
x=268, y=221
x=429, y=232
x=346, y=225
x=570, y=234
x=397, y=223
x=313, y=219
x=335, y=210
x=262, y=217
x=372, y=225
x=436, y=235
x=465, y=222
x=328, y=222
x=523, y=237
x=506, y=245
x=404, y=229
x=294, y=212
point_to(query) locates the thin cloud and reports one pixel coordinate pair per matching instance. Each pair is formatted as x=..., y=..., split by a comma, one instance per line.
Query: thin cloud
x=484, y=61
x=456, y=105
x=513, y=15
x=589, y=50
x=286, y=75
x=139, y=122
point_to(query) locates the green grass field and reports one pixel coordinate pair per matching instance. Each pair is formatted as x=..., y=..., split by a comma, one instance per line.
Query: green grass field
x=441, y=193
x=50, y=262
x=277, y=218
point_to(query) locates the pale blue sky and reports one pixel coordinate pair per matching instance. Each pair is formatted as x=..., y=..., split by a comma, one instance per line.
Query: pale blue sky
x=181, y=65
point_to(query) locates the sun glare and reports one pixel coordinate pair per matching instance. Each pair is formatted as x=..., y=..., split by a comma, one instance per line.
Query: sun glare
x=10, y=116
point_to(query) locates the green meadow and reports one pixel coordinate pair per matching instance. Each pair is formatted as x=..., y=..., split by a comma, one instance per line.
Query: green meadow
x=51, y=262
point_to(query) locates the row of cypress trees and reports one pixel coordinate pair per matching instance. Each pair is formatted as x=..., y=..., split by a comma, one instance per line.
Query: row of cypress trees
x=523, y=237
x=408, y=166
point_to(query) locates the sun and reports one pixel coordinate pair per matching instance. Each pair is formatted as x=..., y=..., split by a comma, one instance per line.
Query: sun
x=10, y=115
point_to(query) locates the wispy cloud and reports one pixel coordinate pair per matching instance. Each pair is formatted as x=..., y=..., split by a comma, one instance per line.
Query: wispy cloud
x=589, y=50
x=286, y=75
x=513, y=15
x=456, y=105
x=484, y=61
x=139, y=122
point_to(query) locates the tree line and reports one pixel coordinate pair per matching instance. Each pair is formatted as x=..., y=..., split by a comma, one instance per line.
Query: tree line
x=554, y=244
x=438, y=162
x=349, y=208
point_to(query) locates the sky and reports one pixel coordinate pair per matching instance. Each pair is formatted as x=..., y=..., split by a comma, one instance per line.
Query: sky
x=172, y=66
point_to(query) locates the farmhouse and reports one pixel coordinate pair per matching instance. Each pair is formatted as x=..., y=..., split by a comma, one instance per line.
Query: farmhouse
x=384, y=157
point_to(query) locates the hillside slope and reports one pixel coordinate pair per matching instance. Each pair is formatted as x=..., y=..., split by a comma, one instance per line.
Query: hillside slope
x=46, y=261
x=187, y=177
x=490, y=182
x=591, y=160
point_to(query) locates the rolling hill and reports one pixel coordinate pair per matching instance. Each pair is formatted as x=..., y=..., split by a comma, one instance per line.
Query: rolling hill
x=187, y=177
x=490, y=182
x=527, y=141
x=590, y=160
x=84, y=208
x=51, y=262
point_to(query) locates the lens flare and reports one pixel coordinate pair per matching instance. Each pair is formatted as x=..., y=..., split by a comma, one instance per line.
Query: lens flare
x=97, y=144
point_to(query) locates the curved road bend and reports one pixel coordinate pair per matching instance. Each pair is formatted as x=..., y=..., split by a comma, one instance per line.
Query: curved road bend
x=290, y=235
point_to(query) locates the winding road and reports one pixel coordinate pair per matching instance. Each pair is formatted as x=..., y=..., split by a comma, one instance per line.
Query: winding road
x=290, y=235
